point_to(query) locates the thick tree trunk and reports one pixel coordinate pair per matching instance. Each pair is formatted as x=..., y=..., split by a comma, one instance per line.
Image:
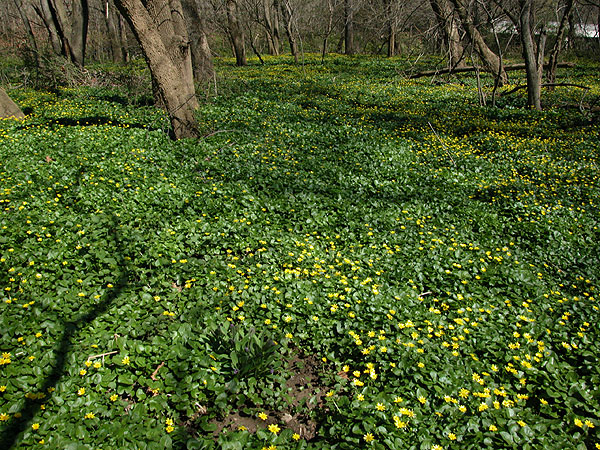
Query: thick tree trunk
x=530, y=55
x=202, y=63
x=236, y=32
x=8, y=108
x=449, y=26
x=349, y=27
x=72, y=30
x=169, y=72
x=491, y=61
x=43, y=12
x=287, y=15
x=79, y=29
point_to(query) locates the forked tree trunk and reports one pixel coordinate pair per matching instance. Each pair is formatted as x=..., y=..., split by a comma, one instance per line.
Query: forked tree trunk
x=272, y=23
x=491, y=61
x=72, y=30
x=202, y=63
x=287, y=15
x=8, y=108
x=449, y=26
x=238, y=39
x=167, y=55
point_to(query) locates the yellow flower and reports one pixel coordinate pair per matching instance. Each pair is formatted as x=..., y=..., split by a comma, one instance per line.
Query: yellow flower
x=295, y=436
x=2, y=388
x=169, y=428
x=452, y=436
x=80, y=391
x=114, y=397
x=82, y=372
x=493, y=428
x=35, y=426
x=588, y=423
x=368, y=437
x=380, y=407
x=89, y=415
x=274, y=428
x=483, y=406
x=4, y=417
x=578, y=423
x=125, y=361
x=262, y=416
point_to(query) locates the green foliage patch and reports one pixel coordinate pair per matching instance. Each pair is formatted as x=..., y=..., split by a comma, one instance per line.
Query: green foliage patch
x=429, y=266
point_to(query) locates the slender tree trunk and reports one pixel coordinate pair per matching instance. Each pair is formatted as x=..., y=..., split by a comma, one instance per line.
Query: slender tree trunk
x=270, y=12
x=490, y=60
x=22, y=9
x=236, y=32
x=112, y=25
x=530, y=55
x=8, y=108
x=328, y=31
x=287, y=16
x=169, y=73
x=391, y=28
x=349, y=27
x=558, y=44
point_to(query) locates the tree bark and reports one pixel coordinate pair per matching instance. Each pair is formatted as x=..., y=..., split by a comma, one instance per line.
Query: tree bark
x=118, y=51
x=287, y=15
x=236, y=32
x=349, y=27
x=8, y=108
x=558, y=44
x=43, y=12
x=202, y=63
x=72, y=30
x=530, y=54
x=449, y=26
x=272, y=24
x=166, y=53
x=490, y=60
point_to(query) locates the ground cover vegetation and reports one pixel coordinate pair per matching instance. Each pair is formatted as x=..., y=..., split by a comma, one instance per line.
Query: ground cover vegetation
x=347, y=259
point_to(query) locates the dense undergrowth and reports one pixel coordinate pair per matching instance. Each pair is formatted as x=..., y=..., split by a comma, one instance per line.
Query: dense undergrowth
x=429, y=266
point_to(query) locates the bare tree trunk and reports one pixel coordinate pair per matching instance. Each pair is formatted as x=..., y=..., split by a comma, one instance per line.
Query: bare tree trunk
x=287, y=15
x=348, y=27
x=201, y=55
x=449, y=26
x=72, y=30
x=391, y=28
x=43, y=12
x=531, y=56
x=27, y=24
x=558, y=44
x=236, y=32
x=118, y=52
x=328, y=31
x=79, y=29
x=270, y=9
x=8, y=108
x=167, y=56
x=490, y=60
